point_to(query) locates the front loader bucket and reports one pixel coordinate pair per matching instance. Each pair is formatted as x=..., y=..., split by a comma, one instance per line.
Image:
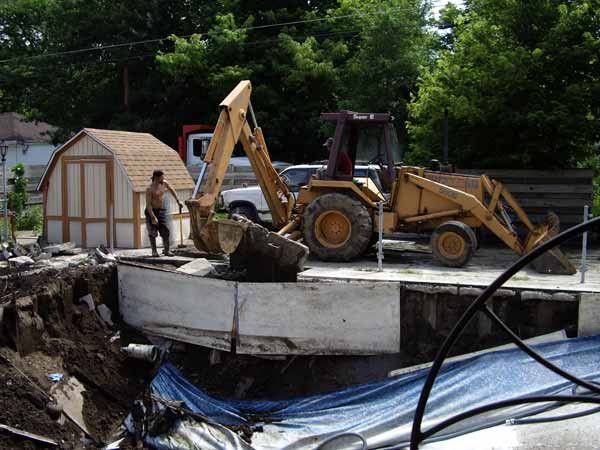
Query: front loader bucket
x=553, y=261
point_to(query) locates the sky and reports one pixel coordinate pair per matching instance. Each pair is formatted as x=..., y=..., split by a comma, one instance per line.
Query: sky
x=439, y=4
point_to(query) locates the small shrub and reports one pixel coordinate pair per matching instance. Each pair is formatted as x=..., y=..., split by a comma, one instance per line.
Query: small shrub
x=31, y=219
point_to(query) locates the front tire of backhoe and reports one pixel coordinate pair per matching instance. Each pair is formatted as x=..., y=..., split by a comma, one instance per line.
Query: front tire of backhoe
x=453, y=243
x=337, y=227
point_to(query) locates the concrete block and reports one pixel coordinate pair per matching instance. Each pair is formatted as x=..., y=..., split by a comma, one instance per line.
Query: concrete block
x=589, y=315
x=199, y=267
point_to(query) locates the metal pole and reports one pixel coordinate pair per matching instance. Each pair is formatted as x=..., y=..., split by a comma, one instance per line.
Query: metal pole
x=199, y=182
x=584, y=246
x=5, y=229
x=380, y=243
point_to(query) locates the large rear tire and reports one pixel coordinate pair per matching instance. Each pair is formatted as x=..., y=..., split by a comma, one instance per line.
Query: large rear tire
x=337, y=227
x=453, y=243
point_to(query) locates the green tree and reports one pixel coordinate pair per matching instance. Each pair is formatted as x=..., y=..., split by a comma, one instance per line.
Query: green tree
x=521, y=81
x=387, y=55
x=330, y=55
x=114, y=86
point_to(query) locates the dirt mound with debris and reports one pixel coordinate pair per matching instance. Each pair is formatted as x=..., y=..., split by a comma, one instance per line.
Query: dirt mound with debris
x=44, y=329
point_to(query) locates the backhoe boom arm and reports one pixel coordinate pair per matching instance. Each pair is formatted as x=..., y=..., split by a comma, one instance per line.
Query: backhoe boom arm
x=232, y=127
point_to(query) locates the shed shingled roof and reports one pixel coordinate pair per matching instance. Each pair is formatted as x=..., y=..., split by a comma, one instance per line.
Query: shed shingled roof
x=139, y=154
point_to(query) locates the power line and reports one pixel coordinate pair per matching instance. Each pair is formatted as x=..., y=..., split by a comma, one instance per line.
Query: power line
x=149, y=41
x=149, y=55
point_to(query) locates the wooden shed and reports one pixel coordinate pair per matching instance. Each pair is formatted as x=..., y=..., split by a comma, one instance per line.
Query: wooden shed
x=99, y=178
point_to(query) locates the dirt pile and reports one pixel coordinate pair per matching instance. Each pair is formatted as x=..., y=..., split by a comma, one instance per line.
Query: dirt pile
x=45, y=329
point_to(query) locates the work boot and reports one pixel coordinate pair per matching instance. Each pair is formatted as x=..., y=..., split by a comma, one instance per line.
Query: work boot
x=166, y=250
x=153, y=245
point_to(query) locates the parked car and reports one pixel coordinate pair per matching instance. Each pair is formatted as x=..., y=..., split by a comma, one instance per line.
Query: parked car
x=251, y=203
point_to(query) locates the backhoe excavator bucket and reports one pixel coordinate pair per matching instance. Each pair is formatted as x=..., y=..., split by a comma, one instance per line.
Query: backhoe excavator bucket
x=553, y=261
x=248, y=243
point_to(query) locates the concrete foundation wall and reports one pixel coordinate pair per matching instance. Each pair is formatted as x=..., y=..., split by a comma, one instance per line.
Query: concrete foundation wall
x=262, y=318
x=338, y=318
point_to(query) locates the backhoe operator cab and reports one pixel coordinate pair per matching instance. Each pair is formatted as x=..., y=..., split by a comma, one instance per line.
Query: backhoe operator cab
x=361, y=139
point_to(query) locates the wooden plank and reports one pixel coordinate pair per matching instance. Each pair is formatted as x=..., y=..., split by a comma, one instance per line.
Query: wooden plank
x=82, y=202
x=550, y=188
x=553, y=174
x=551, y=202
x=137, y=237
x=64, y=205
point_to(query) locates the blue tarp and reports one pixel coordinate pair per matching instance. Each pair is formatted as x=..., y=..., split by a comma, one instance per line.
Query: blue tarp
x=382, y=412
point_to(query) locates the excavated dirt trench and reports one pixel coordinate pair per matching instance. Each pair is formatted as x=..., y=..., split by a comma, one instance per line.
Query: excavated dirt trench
x=45, y=329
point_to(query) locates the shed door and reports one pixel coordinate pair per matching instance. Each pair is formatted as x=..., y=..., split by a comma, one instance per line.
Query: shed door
x=87, y=199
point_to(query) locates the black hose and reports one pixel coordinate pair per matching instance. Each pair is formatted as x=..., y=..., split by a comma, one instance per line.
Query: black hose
x=417, y=435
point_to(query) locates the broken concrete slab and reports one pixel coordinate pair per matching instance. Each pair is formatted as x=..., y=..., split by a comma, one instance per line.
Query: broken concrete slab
x=21, y=261
x=88, y=300
x=105, y=314
x=103, y=256
x=71, y=251
x=199, y=267
x=65, y=246
x=19, y=250
x=52, y=249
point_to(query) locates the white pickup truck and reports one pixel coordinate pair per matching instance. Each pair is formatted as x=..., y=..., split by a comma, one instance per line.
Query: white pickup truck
x=251, y=203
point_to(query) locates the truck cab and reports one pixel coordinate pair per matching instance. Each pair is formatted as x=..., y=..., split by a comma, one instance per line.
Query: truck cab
x=193, y=144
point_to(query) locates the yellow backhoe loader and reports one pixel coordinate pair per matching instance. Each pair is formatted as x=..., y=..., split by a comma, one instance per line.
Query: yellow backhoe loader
x=337, y=215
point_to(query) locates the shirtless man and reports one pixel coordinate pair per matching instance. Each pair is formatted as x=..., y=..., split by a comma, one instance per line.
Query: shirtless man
x=156, y=214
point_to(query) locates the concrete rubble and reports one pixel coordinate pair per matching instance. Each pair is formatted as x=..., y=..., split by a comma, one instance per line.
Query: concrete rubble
x=199, y=267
